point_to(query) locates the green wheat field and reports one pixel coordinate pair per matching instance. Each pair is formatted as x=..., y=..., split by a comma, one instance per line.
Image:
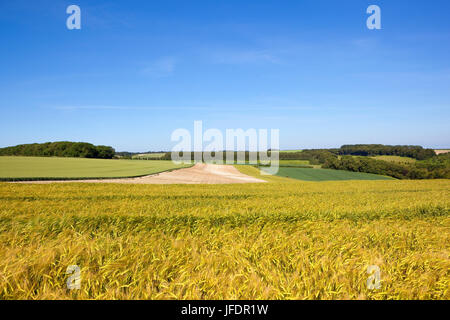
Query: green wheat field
x=16, y=167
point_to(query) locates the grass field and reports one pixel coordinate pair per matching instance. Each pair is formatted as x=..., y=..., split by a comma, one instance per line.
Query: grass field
x=148, y=155
x=42, y=167
x=288, y=163
x=282, y=240
x=309, y=174
x=395, y=159
x=293, y=163
x=298, y=150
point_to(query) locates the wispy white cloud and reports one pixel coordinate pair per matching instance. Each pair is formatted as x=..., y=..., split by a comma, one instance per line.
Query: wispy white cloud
x=364, y=43
x=229, y=107
x=161, y=68
x=425, y=36
x=137, y=108
x=243, y=57
x=406, y=76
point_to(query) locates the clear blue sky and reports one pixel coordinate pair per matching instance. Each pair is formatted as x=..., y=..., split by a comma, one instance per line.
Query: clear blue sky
x=137, y=70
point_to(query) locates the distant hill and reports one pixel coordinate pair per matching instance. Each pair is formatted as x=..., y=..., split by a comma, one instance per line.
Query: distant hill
x=60, y=149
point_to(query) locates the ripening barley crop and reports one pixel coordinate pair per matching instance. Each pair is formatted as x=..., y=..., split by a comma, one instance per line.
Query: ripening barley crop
x=278, y=240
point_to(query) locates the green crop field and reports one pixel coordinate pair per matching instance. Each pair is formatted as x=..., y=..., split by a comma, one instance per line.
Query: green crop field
x=395, y=159
x=309, y=174
x=148, y=155
x=46, y=167
x=288, y=163
x=286, y=151
x=293, y=163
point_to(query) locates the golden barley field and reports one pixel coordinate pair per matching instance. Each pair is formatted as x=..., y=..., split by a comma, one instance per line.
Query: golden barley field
x=280, y=240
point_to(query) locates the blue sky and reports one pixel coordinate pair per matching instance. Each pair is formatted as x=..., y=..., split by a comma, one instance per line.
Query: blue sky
x=137, y=70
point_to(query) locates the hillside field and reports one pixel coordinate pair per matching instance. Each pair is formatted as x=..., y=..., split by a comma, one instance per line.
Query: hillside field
x=289, y=151
x=395, y=159
x=52, y=167
x=293, y=163
x=286, y=239
x=287, y=163
x=441, y=151
x=155, y=155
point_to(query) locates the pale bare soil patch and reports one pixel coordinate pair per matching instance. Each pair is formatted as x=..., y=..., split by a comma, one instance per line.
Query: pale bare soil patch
x=442, y=151
x=200, y=173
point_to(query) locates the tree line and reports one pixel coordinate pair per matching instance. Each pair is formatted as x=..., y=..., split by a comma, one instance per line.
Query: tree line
x=200, y=155
x=416, y=152
x=433, y=168
x=60, y=149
